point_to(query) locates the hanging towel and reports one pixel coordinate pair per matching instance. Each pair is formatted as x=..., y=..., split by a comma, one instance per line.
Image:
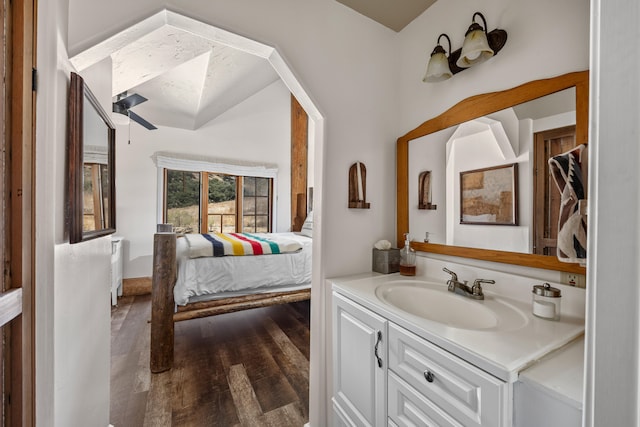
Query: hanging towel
x=566, y=171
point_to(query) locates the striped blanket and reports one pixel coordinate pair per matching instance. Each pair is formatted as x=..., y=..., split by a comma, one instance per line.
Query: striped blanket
x=224, y=244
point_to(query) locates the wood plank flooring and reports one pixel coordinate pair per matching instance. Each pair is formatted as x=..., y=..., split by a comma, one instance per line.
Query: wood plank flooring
x=249, y=368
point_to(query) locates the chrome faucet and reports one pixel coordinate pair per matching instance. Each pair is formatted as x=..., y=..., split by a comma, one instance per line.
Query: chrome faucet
x=461, y=288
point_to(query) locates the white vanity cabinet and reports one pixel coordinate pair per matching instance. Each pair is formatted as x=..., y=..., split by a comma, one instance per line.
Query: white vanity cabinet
x=360, y=365
x=438, y=370
x=415, y=383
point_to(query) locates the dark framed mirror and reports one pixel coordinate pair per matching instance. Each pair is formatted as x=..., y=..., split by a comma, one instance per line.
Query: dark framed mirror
x=480, y=108
x=91, y=162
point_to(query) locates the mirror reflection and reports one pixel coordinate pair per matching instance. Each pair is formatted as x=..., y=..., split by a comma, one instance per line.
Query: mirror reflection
x=526, y=135
x=95, y=176
x=91, y=161
x=483, y=111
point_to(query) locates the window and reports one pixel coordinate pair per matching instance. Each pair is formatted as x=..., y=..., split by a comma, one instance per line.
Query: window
x=95, y=186
x=182, y=202
x=224, y=211
x=222, y=207
x=256, y=210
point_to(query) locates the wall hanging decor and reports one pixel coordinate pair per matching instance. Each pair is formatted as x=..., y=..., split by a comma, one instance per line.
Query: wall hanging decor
x=424, y=191
x=358, y=186
x=489, y=196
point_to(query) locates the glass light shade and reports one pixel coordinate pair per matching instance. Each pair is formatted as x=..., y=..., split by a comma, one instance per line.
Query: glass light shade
x=475, y=48
x=438, y=68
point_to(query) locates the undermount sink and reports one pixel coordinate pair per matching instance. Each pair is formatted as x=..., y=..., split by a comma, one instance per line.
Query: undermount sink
x=433, y=302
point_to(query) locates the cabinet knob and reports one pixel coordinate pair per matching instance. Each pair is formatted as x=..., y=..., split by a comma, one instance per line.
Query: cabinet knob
x=428, y=375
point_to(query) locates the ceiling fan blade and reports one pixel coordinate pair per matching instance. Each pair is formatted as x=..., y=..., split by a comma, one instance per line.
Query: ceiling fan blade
x=136, y=118
x=117, y=108
x=130, y=101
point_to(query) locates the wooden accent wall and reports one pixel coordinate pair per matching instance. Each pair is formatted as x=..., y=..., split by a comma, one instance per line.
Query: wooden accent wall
x=299, y=147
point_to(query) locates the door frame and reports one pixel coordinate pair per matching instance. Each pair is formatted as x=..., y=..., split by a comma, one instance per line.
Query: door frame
x=17, y=299
x=542, y=181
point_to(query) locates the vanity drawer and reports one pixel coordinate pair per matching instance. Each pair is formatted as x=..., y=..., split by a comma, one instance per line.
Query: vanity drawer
x=407, y=408
x=465, y=393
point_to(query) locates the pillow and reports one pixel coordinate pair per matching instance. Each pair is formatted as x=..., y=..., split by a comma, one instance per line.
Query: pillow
x=307, y=226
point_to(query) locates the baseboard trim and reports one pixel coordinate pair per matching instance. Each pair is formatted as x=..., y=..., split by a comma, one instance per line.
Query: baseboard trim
x=136, y=286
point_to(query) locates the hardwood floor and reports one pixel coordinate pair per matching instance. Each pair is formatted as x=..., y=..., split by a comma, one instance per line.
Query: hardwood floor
x=249, y=368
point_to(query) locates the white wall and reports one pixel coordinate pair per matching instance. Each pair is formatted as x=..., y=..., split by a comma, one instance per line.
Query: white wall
x=72, y=281
x=256, y=130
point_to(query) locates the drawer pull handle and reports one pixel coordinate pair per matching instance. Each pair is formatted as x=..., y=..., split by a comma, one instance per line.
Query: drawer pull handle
x=428, y=375
x=375, y=351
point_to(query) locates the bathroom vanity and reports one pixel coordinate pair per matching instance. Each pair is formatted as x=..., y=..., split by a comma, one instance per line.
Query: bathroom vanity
x=408, y=352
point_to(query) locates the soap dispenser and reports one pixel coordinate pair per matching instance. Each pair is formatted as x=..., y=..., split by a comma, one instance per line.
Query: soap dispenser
x=407, y=258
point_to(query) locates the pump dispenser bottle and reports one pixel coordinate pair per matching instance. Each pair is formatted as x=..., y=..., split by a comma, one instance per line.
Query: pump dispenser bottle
x=407, y=258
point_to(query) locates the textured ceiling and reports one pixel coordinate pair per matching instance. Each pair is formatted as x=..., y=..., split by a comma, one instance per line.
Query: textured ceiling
x=188, y=79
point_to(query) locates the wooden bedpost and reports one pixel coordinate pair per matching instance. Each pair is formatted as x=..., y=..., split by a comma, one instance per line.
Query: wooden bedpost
x=162, y=304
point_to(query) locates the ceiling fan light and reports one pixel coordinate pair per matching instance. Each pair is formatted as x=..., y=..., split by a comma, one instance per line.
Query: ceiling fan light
x=438, y=67
x=475, y=49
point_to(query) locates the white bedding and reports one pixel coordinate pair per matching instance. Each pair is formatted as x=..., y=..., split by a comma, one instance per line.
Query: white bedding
x=199, y=278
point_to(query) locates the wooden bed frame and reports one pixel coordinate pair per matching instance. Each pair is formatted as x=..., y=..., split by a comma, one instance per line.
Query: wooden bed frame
x=163, y=314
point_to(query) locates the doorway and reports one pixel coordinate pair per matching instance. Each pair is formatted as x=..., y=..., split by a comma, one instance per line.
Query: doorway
x=546, y=203
x=315, y=149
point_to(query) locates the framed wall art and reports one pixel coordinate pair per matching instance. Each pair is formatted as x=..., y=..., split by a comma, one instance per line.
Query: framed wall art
x=489, y=196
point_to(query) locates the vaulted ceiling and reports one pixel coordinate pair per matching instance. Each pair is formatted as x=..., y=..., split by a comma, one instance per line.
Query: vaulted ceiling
x=187, y=78
x=190, y=78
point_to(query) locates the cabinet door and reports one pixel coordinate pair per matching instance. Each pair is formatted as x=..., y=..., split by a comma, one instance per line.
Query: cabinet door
x=359, y=363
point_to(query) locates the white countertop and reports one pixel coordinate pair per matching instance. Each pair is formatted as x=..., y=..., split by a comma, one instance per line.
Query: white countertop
x=560, y=374
x=502, y=353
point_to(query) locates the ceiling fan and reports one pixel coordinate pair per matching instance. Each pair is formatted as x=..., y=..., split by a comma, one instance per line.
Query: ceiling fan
x=124, y=103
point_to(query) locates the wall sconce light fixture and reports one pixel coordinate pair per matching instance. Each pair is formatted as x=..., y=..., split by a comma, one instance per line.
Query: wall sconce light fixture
x=479, y=45
x=438, y=68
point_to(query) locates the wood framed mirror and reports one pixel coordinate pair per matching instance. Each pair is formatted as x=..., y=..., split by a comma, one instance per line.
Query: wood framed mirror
x=91, y=162
x=476, y=107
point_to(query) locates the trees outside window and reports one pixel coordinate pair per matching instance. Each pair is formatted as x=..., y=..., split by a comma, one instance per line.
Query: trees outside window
x=223, y=210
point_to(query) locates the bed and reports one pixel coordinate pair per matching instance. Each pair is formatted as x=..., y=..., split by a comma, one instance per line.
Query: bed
x=189, y=282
